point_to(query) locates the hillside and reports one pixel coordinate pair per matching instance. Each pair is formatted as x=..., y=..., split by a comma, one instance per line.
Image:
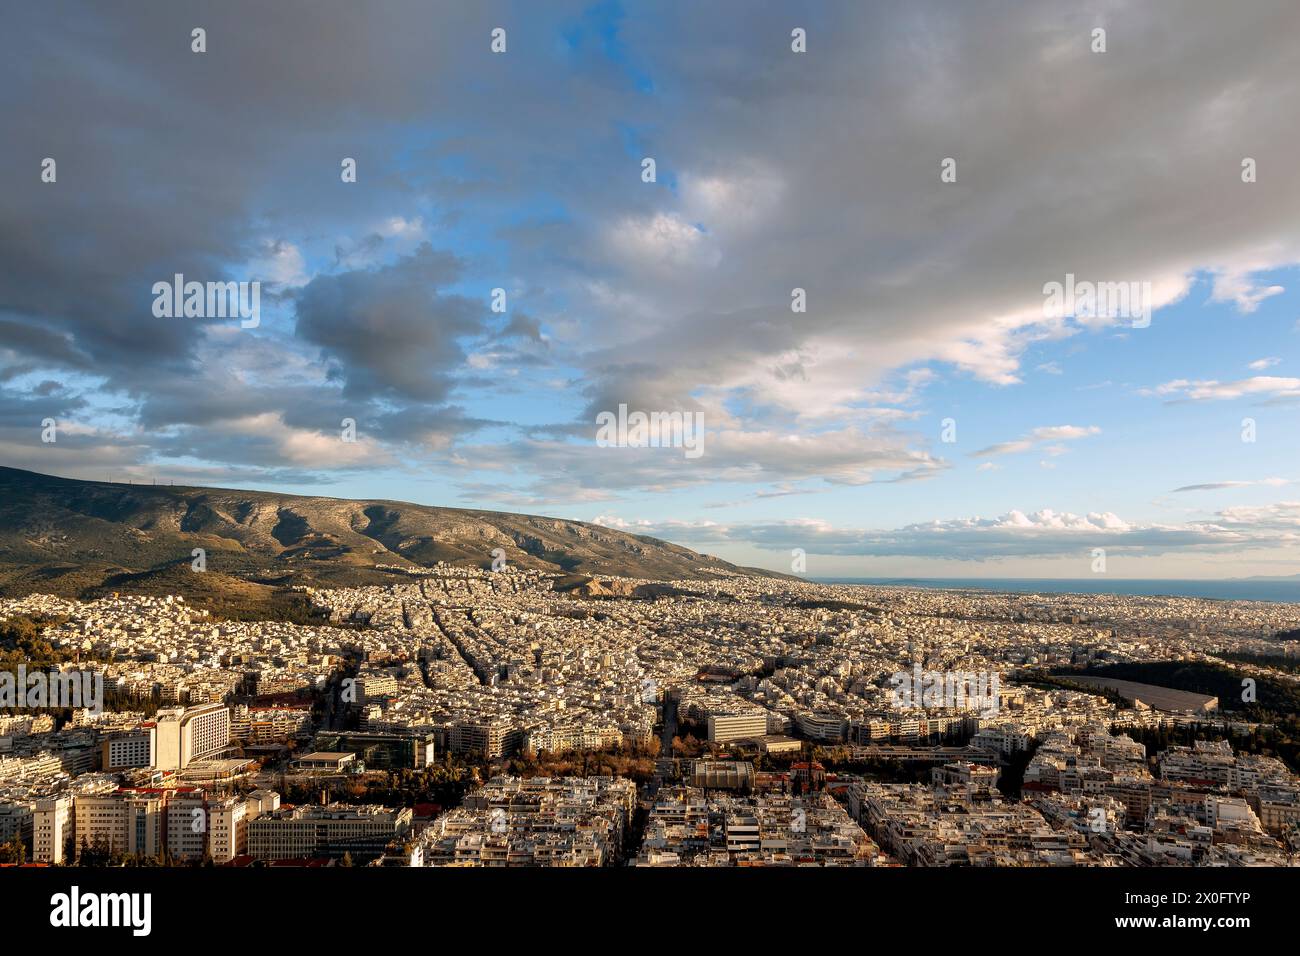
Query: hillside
x=76, y=538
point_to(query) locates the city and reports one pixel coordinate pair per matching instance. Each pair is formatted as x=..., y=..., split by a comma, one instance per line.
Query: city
x=753, y=721
x=773, y=472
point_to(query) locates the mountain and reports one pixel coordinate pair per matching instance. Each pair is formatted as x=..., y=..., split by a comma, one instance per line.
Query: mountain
x=80, y=538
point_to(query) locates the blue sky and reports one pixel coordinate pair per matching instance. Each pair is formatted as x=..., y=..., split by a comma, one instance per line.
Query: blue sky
x=776, y=170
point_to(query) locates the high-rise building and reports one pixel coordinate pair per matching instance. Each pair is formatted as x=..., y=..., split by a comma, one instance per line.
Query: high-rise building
x=51, y=828
x=187, y=825
x=490, y=739
x=186, y=734
x=227, y=829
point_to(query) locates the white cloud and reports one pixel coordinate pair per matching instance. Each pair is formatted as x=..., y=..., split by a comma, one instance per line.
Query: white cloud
x=1038, y=534
x=1040, y=436
x=1269, y=386
x=662, y=241
x=281, y=263
x=1239, y=288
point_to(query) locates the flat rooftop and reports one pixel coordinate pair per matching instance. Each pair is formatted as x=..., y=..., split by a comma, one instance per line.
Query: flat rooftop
x=329, y=755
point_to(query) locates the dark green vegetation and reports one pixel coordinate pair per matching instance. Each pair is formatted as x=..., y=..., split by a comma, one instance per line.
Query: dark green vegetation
x=1281, y=740
x=445, y=783
x=1061, y=680
x=88, y=538
x=830, y=605
x=21, y=643
x=1276, y=704
x=1289, y=663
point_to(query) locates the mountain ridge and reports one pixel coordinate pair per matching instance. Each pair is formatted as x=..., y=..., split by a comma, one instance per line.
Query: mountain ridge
x=76, y=535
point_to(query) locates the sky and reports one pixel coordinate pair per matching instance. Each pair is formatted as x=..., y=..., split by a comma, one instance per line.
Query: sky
x=841, y=267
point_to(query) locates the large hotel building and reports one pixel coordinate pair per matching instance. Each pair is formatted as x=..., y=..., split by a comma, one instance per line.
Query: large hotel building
x=175, y=739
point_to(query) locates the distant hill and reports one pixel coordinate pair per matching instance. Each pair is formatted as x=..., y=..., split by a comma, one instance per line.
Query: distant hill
x=79, y=538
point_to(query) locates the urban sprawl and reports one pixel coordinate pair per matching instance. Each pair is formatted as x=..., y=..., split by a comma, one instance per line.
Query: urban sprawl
x=778, y=722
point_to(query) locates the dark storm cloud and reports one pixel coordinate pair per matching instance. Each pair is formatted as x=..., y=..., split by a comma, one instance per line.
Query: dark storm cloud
x=49, y=400
x=388, y=330
x=171, y=161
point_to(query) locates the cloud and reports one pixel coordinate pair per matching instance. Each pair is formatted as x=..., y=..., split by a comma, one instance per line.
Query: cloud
x=1040, y=534
x=1039, y=436
x=1267, y=386
x=1217, y=485
x=1260, y=365
x=662, y=241
x=777, y=171
x=388, y=330
x=845, y=457
x=1238, y=288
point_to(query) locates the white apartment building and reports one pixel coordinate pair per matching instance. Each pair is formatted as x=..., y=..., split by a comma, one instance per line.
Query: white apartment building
x=724, y=727
x=126, y=821
x=227, y=829
x=821, y=726
x=51, y=828
x=133, y=748
x=257, y=725
x=1006, y=738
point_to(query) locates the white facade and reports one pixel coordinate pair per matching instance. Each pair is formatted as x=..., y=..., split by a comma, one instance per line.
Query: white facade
x=51, y=828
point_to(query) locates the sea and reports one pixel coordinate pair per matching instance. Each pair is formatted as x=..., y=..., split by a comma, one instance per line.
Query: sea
x=1278, y=590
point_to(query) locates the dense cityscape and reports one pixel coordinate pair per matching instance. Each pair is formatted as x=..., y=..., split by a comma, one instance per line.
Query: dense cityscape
x=512, y=468
x=467, y=717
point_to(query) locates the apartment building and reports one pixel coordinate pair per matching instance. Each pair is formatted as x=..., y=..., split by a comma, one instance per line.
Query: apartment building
x=186, y=820
x=331, y=831
x=540, y=821
x=826, y=726
x=126, y=821
x=228, y=828
x=686, y=826
x=52, y=824
x=490, y=739
x=16, y=821
x=131, y=748
x=1004, y=738
x=261, y=725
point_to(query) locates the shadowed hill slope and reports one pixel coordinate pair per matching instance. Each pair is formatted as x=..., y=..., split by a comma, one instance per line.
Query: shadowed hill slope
x=69, y=536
